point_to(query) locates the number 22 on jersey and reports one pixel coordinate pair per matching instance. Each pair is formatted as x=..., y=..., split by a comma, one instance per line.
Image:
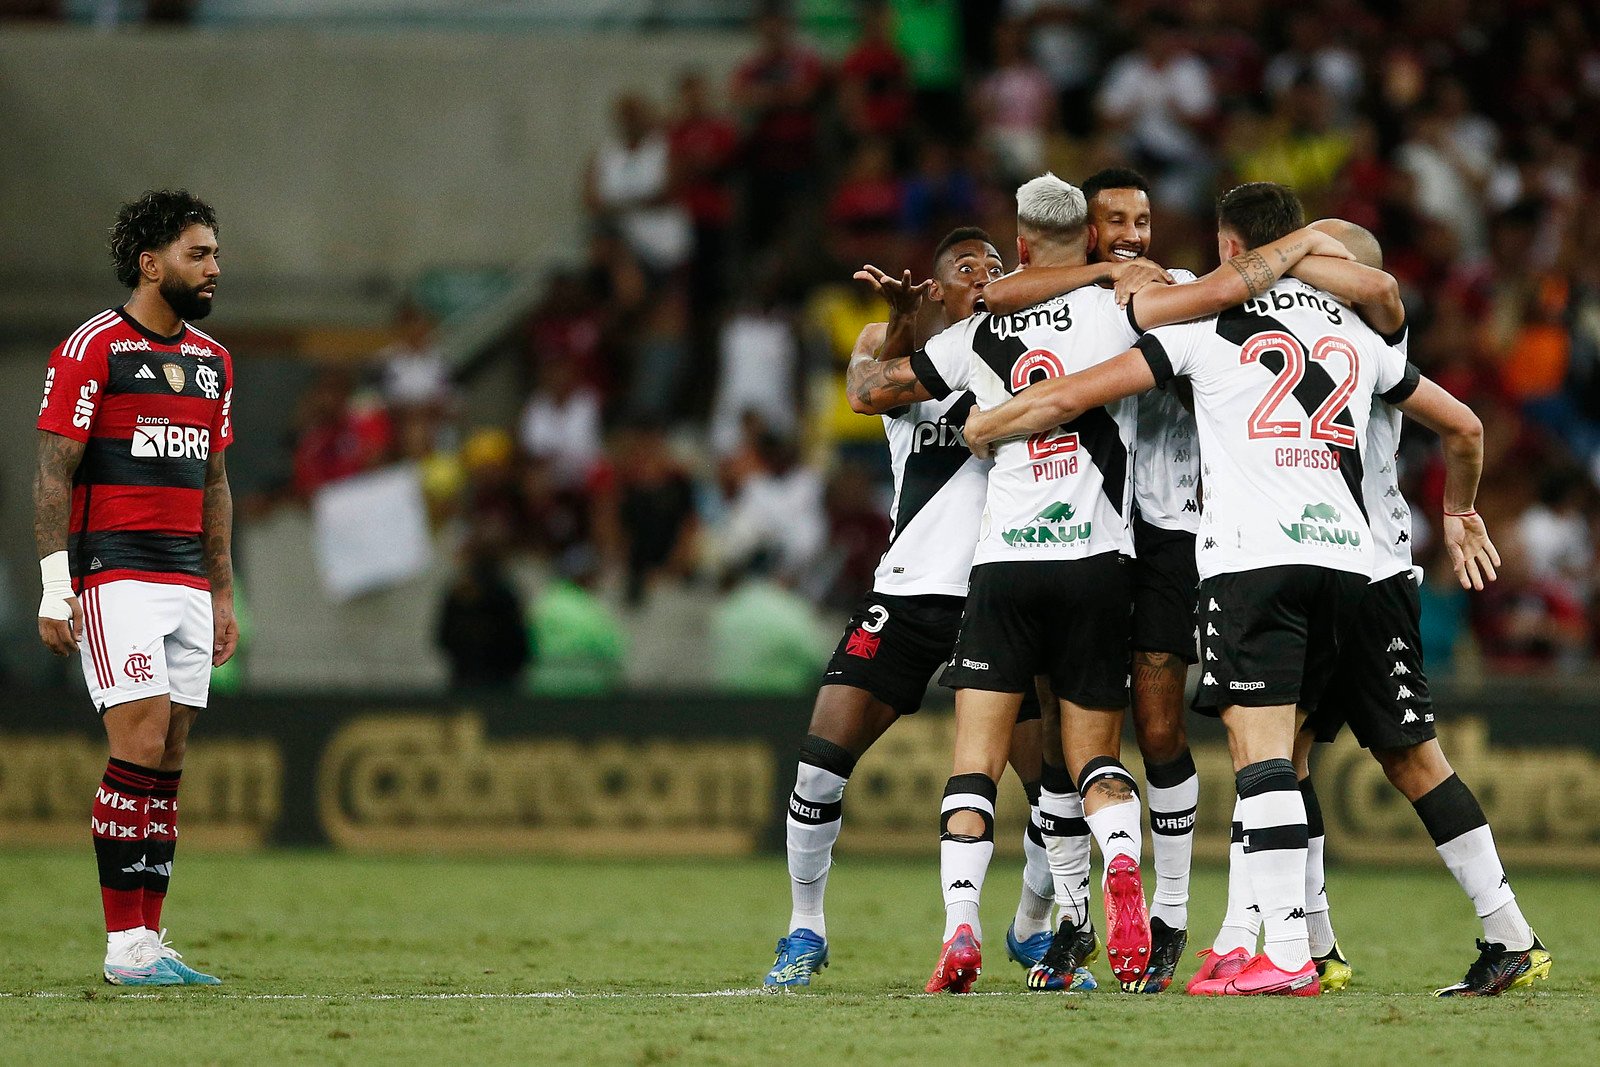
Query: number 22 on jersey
x=1322, y=425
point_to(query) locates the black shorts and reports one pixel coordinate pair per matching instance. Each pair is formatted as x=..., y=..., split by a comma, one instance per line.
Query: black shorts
x=1271, y=636
x=1164, y=582
x=894, y=644
x=1380, y=688
x=1066, y=618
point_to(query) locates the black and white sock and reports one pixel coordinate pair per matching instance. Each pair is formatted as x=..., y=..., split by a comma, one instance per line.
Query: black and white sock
x=1038, y=890
x=816, y=808
x=1173, y=790
x=1274, y=818
x=1461, y=833
x=1066, y=842
x=1241, y=925
x=1116, y=827
x=964, y=858
x=1319, y=924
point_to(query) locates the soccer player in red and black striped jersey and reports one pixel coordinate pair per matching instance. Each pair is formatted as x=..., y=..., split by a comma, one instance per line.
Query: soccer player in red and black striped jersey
x=134, y=520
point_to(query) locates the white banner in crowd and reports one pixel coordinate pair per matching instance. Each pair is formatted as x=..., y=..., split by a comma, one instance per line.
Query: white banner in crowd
x=371, y=531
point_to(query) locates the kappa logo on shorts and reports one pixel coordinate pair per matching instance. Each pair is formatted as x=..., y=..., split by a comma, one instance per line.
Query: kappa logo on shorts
x=1211, y=657
x=974, y=664
x=1409, y=716
x=862, y=645
x=1247, y=686
x=138, y=667
x=1398, y=645
x=1209, y=679
x=1213, y=606
x=1399, y=669
x=1403, y=694
x=1212, y=631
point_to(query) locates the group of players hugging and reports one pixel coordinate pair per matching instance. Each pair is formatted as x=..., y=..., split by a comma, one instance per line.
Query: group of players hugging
x=1106, y=472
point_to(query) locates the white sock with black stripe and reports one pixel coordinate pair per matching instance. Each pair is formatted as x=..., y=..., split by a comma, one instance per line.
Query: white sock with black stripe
x=1461, y=833
x=1116, y=825
x=1173, y=791
x=1241, y=924
x=816, y=813
x=1274, y=818
x=1038, y=890
x=1319, y=925
x=964, y=858
x=1066, y=843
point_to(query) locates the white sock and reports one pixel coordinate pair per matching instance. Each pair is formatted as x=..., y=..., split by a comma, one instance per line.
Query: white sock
x=1172, y=810
x=1461, y=833
x=118, y=942
x=1241, y=925
x=1319, y=924
x=1038, y=888
x=1274, y=817
x=1117, y=831
x=1066, y=842
x=816, y=811
x=964, y=859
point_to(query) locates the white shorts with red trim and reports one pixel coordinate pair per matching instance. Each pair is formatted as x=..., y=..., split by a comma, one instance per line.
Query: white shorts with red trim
x=145, y=639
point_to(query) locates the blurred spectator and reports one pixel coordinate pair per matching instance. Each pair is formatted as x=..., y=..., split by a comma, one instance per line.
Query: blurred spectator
x=705, y=146
x=858, y=533
x=560, y=424
x=928, y=33
x=1161, y=94
x=759, y=369
x=766, y=639
x=1316, y=53
x=580, y=647
x=1556, y=536
x=1524, y=622
x=480, y=627
x=778, y=513
x=656, y=511
x=1447, y=188
x=777, y=91
x=1016, y=107
x=874, y=84
x=414, y=371
x=630, y=187
x=941, y=193
x=493, y=501
x=1063, y=40
x=1299, y=146
x=339, y=433
x=868, y=202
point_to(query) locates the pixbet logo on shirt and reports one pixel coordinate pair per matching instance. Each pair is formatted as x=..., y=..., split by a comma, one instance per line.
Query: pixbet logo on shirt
x=171, y=442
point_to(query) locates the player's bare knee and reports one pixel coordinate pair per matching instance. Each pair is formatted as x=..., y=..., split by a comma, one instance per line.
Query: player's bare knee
x=1161, y=742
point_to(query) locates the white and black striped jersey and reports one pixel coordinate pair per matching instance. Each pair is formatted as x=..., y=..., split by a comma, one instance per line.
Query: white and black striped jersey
x=1283, y=388
x=1065, y=493
x=939, y=488
x=1166, y=466
x=1387, y=511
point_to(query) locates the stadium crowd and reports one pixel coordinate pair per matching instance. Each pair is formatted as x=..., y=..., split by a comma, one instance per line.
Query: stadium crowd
x=685, y=417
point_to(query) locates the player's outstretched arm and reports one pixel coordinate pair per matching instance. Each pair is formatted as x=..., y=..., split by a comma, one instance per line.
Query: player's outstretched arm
x=877, y=385
x=1059, y=400
x=60, y=616
x=216, y=533
x=1246, y=275
x=1465, y=535
x=1025, y=288
x=1372, y=292
x=872, y=389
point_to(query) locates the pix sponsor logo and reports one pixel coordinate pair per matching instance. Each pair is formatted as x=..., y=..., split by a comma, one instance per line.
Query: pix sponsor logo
x=1318, y=525
x=1052, y=526
x=936, y=435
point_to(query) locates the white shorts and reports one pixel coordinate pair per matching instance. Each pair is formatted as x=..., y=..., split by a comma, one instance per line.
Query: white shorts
x=145, y=639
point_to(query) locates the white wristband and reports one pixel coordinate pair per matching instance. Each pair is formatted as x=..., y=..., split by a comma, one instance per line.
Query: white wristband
x=57, y=577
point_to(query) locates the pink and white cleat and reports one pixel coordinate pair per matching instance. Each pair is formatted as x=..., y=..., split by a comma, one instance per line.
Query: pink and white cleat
x=1262, y=978
x=1127, y=920
x=1214, y=964
x=960, y=963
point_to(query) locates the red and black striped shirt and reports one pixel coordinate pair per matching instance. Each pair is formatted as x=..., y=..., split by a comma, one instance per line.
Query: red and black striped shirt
x=150, y=410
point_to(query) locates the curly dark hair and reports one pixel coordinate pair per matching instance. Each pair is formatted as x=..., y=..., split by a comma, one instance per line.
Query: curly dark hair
x=153, y=222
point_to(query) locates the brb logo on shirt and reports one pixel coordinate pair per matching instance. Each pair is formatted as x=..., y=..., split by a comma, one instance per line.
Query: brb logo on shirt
x=171, y=442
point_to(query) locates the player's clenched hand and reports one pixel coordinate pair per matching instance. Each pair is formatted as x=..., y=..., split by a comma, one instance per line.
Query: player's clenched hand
x=61, y=636
x=1471, y=552
x=1321, y=244
x=1135, y=274
x=973, y=434
x=902, y=297
x=225, y=630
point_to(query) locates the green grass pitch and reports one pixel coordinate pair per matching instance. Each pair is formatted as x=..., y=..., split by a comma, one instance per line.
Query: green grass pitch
x=330, y=958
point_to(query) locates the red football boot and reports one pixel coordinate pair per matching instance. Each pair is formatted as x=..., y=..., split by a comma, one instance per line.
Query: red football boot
x=960, y=963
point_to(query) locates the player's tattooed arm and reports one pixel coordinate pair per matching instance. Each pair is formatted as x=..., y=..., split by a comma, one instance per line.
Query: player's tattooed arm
x=52, y=490
x=216, y=524
x=1241, y=278
x=880, y=385
x=216, y=532
x=1034, y=285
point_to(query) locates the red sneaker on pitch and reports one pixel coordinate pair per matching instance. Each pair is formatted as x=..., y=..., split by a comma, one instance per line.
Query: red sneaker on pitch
x=960, y=963
x=1217, y=965
x=1127, y=921
x=1263, y=978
